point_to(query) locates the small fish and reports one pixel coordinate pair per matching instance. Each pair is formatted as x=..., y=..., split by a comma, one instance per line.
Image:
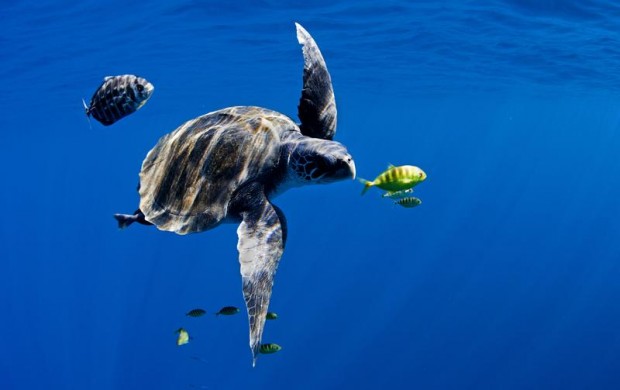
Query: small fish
x=228, y=311
x=195, y=313
x=183, y=336
x=271, y=315
x=117, y=97
x=398, y=194
x=394, y=178
x=409, y=202
x=269, y=348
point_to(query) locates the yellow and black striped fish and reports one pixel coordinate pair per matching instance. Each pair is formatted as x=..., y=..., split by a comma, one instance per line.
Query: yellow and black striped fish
x=396, y=178
x=409, y=202
x=117, y=97
x=269, y=348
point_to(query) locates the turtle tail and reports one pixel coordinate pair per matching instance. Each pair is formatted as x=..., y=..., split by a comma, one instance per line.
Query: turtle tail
x=124, y=220
x=367, y=184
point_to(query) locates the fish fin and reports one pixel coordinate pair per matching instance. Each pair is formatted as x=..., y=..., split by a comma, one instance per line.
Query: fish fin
x=367, y=184
x=106, y=78
x=124, y=220
x=86, y=108
x=390, y=166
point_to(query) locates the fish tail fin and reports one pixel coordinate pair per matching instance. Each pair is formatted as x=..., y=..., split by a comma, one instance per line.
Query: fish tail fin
x=367, y=184
x=124, y=220
x=86, y=109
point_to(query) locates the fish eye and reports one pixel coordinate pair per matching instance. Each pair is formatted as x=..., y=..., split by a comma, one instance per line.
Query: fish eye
x=140, y=88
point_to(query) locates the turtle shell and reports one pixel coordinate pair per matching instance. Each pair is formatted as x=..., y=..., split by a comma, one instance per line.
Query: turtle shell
x=188, y=179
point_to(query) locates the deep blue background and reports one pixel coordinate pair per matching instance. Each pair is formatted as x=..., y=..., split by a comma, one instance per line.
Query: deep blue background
x=507, y=276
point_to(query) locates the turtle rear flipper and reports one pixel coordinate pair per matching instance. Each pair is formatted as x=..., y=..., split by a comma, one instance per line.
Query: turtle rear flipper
x=124, y=220
x=262, y=235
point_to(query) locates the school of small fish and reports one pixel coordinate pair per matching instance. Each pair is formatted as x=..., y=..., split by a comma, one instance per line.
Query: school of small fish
x=398, y=182
x=183, y=336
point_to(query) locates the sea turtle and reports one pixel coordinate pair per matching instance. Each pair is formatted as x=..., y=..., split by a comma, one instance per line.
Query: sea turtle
x=227, y=165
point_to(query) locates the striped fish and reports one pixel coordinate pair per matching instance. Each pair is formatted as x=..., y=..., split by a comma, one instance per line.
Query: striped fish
x=269, y=348
x=398, y=194
x=409, y=202
x=117, y=97
x=396, y=178
x=228, y=311
x=196, y=313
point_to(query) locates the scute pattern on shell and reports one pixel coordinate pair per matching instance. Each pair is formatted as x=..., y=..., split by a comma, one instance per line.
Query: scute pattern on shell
x=189, y=177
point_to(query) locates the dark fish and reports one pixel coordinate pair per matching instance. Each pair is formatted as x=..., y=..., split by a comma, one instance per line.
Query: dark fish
x=195, y=313
x=409, y=202
x=228, y=311
x=117, y=97
x=271, y=315
x=269, y=348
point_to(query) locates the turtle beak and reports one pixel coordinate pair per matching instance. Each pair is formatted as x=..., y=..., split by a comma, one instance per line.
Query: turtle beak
x=342, y=168
x=352, y=167
x=347, y=167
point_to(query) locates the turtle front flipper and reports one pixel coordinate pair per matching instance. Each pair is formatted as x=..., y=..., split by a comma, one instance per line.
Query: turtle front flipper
x=317, y=105
x=262, y=235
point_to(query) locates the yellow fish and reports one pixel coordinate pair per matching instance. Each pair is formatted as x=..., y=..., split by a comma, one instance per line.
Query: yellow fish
x=394, y=178
x=183, y=336
x=270, y=348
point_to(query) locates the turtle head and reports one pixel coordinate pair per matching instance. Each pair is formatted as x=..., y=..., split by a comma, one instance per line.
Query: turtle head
x=320, y=161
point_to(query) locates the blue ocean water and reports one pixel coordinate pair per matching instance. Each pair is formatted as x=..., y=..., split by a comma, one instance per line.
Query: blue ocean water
x=506, y=277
